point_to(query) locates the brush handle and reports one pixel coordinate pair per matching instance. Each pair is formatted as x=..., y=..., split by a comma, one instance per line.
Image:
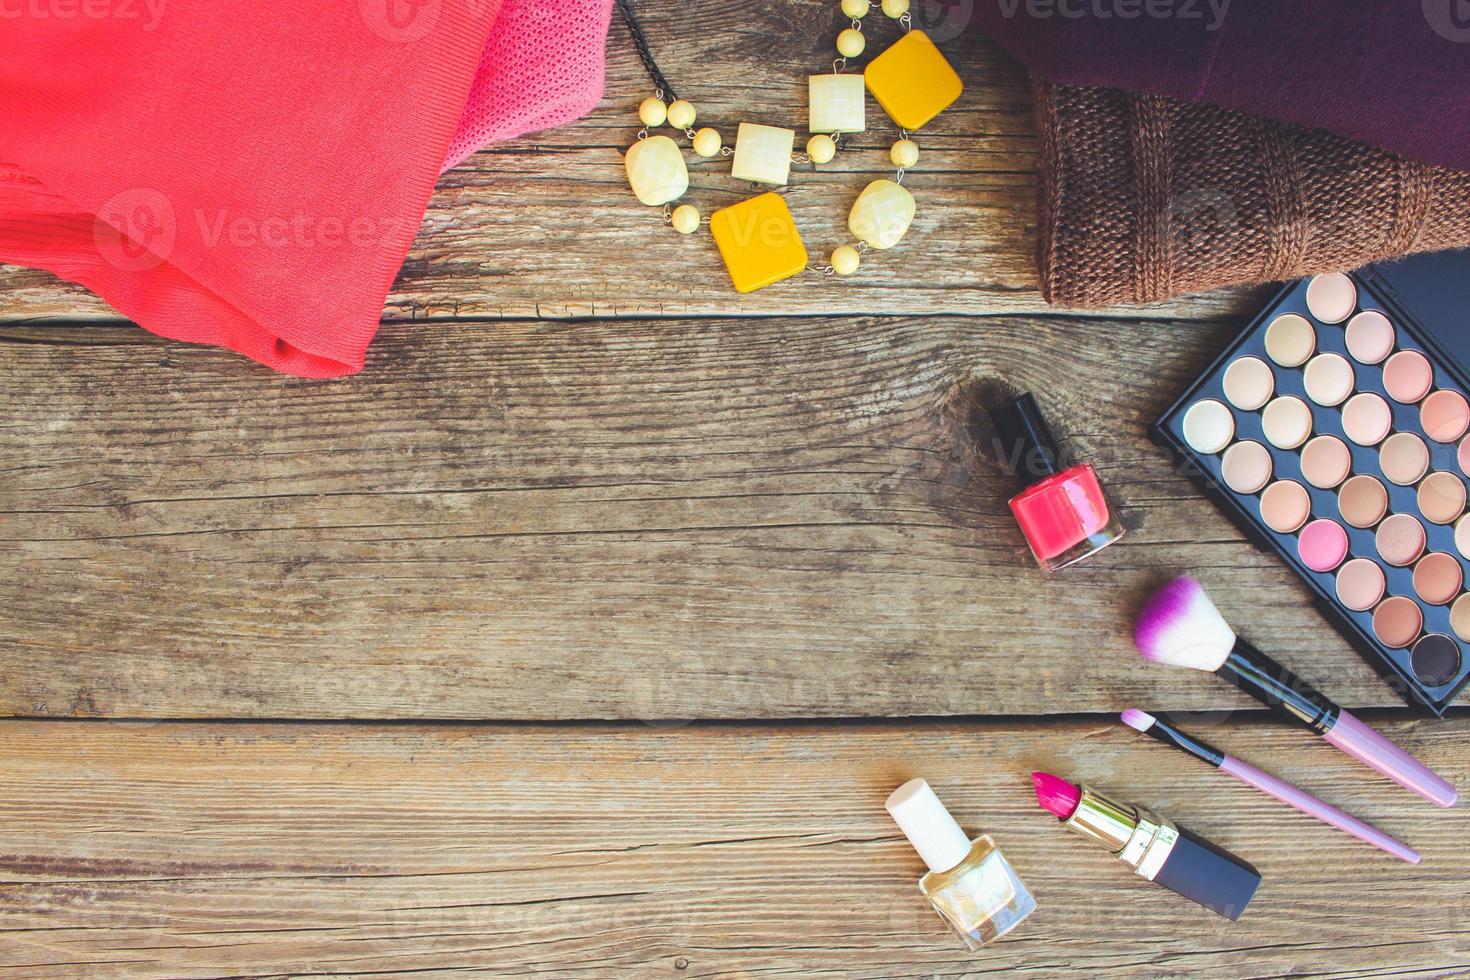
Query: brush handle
x=1386, y=758
x=1313, y=807
x=1276, y=687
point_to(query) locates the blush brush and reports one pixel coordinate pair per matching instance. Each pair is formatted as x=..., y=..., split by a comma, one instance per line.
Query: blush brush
x=1181, y=627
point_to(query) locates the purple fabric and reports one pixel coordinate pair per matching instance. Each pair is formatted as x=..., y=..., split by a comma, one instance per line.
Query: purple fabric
x=1394, y=73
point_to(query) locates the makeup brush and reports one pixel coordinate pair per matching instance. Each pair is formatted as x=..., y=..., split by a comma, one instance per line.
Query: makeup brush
x=1285, y=792
x=1181, y=627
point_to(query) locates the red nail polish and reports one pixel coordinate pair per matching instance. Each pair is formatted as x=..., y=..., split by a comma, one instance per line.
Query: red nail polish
x=1064, y=512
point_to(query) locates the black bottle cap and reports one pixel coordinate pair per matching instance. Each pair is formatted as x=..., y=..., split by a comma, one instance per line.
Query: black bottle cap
x=1024, y=440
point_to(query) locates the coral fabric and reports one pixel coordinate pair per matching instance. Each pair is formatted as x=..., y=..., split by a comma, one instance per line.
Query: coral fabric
x=251, y=175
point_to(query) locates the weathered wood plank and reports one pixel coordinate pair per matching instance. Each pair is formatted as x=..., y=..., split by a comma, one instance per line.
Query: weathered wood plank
x=546, y=227
x=209, y=851
x=624, y=519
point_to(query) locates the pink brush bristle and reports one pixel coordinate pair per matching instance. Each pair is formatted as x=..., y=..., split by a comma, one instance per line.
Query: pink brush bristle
x=1164, y=609
x=1056, y=795
x=1137, y=720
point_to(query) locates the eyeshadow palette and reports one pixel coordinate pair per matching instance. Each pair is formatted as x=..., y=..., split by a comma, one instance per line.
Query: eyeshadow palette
x=1335, y=430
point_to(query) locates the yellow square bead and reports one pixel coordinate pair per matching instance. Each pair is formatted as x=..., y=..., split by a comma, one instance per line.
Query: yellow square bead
x=912, y=81
x=758, y=241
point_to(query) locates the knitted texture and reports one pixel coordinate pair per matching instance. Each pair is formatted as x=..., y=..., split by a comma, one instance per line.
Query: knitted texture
x=543, y=66
x=1144, y=197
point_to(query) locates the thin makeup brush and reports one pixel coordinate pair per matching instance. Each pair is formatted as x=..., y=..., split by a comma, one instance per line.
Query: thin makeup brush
x=1146, y=723
x=1181, y=627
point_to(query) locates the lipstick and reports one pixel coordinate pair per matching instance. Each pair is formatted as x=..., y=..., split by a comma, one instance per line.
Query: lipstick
x=1181, y=627
x=1153, y=846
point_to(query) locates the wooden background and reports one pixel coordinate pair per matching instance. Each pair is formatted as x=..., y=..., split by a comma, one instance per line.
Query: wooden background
x=506, y=655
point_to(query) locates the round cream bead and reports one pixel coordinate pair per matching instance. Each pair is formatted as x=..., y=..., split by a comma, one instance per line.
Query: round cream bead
x=905, y=153
x=652, y=112
x=685, y=219
x=821, y=148
x=845, y=260
x=856, y=8
x=681, y=114
x=707, y=142
x=850, y=43
x=895, y=8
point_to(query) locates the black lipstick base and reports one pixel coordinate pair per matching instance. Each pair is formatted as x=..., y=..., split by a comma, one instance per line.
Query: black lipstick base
x=1209, y=875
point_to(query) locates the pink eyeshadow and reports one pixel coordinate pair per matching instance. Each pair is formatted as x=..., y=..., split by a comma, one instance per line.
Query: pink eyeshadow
x=1444, y=416
x=1407, y=377
x=1323, y=545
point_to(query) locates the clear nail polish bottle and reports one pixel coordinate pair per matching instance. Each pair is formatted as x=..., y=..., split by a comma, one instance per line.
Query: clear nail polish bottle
x=970, y=883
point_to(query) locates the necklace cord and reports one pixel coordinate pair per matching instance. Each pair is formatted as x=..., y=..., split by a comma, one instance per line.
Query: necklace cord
x=645, y=54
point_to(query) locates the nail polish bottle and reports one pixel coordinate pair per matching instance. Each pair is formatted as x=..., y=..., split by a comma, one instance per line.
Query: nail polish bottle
x=1064, y=513
x=970, y=883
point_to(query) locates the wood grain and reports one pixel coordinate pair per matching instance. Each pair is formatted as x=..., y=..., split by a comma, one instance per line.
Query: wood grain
x=546, y=226
x=731, y=851
x=632, y=519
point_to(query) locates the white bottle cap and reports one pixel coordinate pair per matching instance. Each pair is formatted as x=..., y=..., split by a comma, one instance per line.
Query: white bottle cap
x=928, y=825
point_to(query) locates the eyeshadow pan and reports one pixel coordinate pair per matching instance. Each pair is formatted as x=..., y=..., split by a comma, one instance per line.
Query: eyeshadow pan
x=1362, y=501
x=1437, y=578
x=1326, y=462
x=1435, y=659
x=1208, y=426
x=1249, y=383
x=1462, y=535
x=1328, y=379
x=1464, y=456
x=1332, y=297
x=1286, y=421
x=1400, y=539
x=1442, y=498
x=1397, y=621
x=1444, y=416
x=1404, y=458
x=1369, y=337
x=1323, y=545
x=1460, y=617
x=1360, y=584
x=1285, y=506
x=1290, y=340
x=1407, y=377
x=1246, y=467
x=1367, y=419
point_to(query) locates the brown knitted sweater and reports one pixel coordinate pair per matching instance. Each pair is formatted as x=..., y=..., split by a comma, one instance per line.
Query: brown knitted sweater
x=1144, y=198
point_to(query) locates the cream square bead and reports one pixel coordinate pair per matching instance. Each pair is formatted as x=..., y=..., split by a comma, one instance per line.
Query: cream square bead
x=762, y=154
x=656, y=170
x=838, y=103
x=882, y=214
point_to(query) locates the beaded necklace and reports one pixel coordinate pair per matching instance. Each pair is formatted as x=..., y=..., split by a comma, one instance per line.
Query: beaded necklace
x=757, y=238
